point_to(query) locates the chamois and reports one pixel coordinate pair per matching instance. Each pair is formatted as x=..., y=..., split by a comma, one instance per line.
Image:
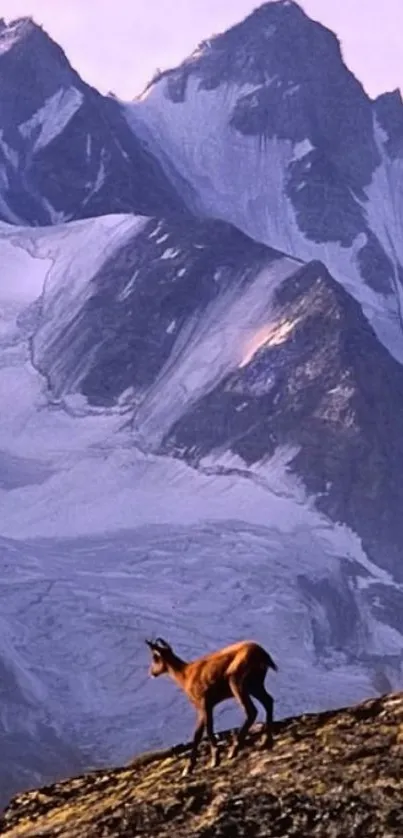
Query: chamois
x=237, y=671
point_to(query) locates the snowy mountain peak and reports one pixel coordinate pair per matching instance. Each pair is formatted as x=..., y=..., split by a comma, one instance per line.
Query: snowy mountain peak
x=283, y=142
x=281, y=76
x=32, y=64
x=276, y=44
x=15, y=31
x=24, y=39
x=65, y=150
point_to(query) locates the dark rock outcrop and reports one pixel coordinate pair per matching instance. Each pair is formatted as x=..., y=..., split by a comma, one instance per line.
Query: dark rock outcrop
x=323, y=383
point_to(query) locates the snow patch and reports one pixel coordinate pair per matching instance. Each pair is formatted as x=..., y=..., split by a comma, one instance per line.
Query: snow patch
x=101, y=174
x=302, y=148
x=10, y=154
x=170, y=253
x=50, y=120
x=128, y=288
x=88, y=147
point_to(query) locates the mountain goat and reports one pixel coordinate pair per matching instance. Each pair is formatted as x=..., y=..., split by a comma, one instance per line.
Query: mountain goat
x=237, y=671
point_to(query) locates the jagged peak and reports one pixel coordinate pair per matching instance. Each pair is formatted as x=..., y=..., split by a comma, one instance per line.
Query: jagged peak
x=18, y=23
x=15, y=31
x=388, y=109
x=26, y=42
x=276, y=39
x=277, y=7
x=265, y=19
x=391, y=96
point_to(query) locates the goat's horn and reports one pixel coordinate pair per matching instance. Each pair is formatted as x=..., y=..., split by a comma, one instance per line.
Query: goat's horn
x=149, y=643
x=161, y=642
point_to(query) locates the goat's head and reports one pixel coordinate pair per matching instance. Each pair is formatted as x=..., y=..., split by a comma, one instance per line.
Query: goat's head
x=160, y=652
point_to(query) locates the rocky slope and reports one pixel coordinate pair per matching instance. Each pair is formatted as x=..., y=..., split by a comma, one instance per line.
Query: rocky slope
x=333, y=775
x=314, y=378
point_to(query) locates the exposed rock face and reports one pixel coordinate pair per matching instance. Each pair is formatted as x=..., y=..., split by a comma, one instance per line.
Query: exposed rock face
x=315, y=378
x=140, y=301
x=66, y=151
x=389, y=113
x=333, y=775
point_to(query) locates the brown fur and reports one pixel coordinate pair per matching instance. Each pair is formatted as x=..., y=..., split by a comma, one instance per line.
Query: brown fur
x=237, y=671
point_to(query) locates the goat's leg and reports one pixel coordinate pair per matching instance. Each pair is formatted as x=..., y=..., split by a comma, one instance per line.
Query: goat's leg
x=259, y=691
x=198, y=735
x=211, y=737
x=243, y=698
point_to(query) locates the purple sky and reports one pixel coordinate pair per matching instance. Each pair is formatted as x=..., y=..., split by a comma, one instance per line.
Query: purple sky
x=117, y=44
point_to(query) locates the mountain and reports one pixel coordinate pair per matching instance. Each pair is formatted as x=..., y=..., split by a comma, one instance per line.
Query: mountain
x=200, y=385
x=166, y=412
x=316, y=379
x=143, y=308
x=335, y=774
x=211, y=341
x=66, y=151
x=270, y=131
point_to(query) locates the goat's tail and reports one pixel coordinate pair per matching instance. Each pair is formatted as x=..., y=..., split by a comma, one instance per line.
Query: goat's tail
x=270, y=662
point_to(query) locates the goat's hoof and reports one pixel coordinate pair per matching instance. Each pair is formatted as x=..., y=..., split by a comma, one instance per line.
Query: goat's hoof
x=214, y=762
x=187, y=770
x=233, y=753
